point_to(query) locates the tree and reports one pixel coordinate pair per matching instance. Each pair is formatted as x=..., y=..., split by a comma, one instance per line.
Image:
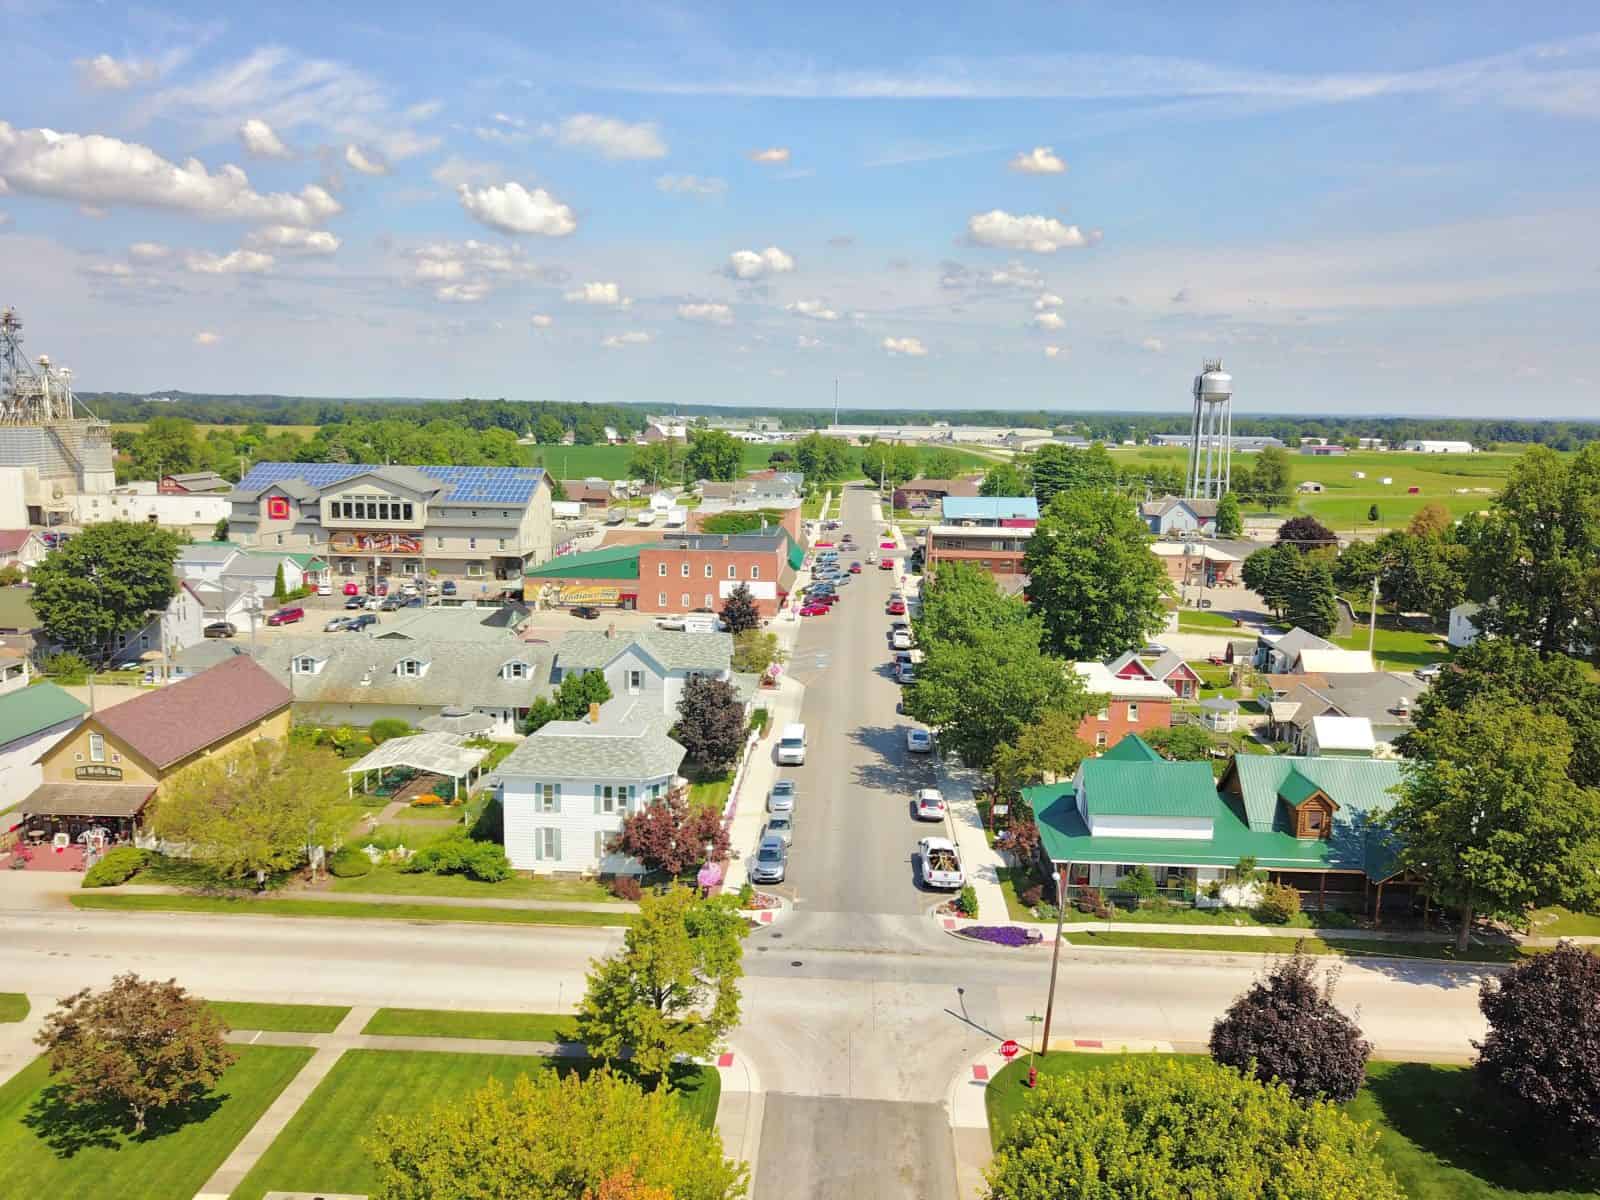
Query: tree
x=960, y=601
x=1270, y=476
x=279, y=588
x=548, y=430
x=672, y=991
x=142, y=1045
x=755, y=650
x=889, y=463
x=1043, y=751
x=1058, y=468
x=779, y=458
x=1305, y=534
x=672, y=835
x=1286, y=571
x=1005, y=479
x=540, y=713
x=1421, y=573
x=1092, y=577
x=165, y=446
x=711, y=722
x=220, y=532
x=577, y=692
x=822, y=459
x=1311, y=603
x=1355, y=567
x=255, y=809
x=558, y=1137
x=1541, y=1058
x=657, y=462
x=1534, y=564
x=1374, y=515
x=714, y=454
x=1181, y=743
x=1285, y=1028
x=1488, y=815
x=941, y=464
x=739, y=612
x=1430, y=521
x=1230, y=522
x=1169, y=1128
x=105, y=581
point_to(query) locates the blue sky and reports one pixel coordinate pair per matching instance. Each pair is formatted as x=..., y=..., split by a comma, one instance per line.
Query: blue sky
x=1360, y=208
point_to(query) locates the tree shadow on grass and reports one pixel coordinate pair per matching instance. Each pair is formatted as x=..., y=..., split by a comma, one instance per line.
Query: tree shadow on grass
x=104, y=1125
x=1446, y=1114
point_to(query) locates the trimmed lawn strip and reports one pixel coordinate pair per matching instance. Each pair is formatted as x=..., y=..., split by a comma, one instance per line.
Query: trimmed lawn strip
x=13, y=1007
x=1223, y=943
x=1566, y=923
x=391, y=881
x=711, y=791
x=351, y=909
x=1422, y=1112
x=1204, y=618
x=321, y=1149
x=43, y=1154
x=280, y=1018
x=501, y=1026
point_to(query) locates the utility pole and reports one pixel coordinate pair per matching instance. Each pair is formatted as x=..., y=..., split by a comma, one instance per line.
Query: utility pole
x=1055, y=957
x=1372, y=618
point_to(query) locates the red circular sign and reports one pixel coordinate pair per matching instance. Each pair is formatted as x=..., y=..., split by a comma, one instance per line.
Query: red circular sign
x=1009, y=1049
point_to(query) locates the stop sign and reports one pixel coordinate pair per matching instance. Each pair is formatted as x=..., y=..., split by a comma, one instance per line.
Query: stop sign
x=1009, y=1049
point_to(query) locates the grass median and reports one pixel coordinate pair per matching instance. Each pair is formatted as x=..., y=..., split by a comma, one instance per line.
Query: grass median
x=498, y=1026
x=13, y=1007
x=349, y=910
x=280, y=1018
x=1218, y=943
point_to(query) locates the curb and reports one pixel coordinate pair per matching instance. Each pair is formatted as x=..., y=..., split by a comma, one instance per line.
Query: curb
x=740, y=1079
x=767, y=917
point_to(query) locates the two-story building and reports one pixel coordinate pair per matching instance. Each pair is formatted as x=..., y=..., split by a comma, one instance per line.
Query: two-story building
x=1168, y=668
x=32, y=719
x=1179, y=515
x=476, y=527
x=1132, y=705
x=927, y=493
x=180, y=625
x=652, y=665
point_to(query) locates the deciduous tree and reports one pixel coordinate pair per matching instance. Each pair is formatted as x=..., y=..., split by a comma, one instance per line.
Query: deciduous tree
x=739, y=612
x=960, y=601
x=577, y=692
x=1005, y=479
x=1045, y=750
x=1181, y=743
x=941, y=464
x=1270, y=476
x=1058, y=468
x=714, y=454
x=711, y=722
x=1230, y=522
x=658, y=462
x=140, y=1044
x=822, y=459
x=755, y=650
x=105, y=581
x=1430, y=521
x=1306, y=533
x=672, y=835
x=1286, y=1029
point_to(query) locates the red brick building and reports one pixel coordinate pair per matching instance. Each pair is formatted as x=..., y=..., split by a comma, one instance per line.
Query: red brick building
x=1132, y=706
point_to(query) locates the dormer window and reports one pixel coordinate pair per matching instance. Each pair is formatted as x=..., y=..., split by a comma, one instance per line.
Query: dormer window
x=413, y=668
x=305, y=664
x=515, y=669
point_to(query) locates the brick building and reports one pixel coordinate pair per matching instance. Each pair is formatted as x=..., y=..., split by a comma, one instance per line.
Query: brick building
x=925, y=493
x=1132, y=705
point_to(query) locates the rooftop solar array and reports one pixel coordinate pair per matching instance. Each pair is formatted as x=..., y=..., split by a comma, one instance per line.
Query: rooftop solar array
x=481, y=485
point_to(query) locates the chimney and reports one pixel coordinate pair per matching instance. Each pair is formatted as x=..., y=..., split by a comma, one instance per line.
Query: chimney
x=594, y=714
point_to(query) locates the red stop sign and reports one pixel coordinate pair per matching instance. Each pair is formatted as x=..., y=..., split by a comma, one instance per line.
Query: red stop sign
x=1009, y=1049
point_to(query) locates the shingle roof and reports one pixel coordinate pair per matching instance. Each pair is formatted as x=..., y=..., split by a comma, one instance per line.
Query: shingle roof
x=485, y=485
x=1296, y=640
x=86, y=800
x=12, y=540
x=1335, y=661
x=1101, y=681
x=1125, y=659
x=28, y=710
x=206, y=552
x=676, y=651
x=621, y=747
x=1167, y=664
x=16, y=611
x=488, y=625
x=182, y=718
x=463, y=673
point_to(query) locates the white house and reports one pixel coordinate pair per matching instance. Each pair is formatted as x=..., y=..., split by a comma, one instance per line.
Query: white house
x=177, y=628
x=1174, y=514
x=32, y=720
x=21, y=547
x=565, y=791
x=204, y=562
x=1429, y=446
x=1463, y=629
x=1341, y=736
x=647, y=664
x=257, y=574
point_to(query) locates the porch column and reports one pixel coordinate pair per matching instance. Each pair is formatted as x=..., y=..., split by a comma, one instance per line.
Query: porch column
x=1377, y=912
x=1322, y=892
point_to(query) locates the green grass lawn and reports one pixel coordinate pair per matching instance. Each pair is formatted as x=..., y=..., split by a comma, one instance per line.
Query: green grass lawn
x=1206, y=619
x=1396, y=646
x=1243, y=944
x=321, y=1150
x=13, y=1007
x=1427, y=1135
x=391, y=881
x=433, y=1022
x=1016, y=910
x=280, y=1018
x=711, y=791
x=1563, y=922
x=348, y=909
x=44, y=1152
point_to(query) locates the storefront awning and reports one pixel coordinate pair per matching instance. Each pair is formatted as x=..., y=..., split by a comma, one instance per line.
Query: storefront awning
x=86, y=800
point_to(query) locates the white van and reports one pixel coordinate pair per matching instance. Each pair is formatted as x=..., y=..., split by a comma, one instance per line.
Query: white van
x=792, y=745
x=702, y=623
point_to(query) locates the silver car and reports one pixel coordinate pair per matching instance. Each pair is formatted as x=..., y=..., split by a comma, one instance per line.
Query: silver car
x=780, y=825
x=782, y=796
x=771, y=861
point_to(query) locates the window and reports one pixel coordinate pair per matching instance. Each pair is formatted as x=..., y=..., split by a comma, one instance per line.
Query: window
x=547, y=797
x=474, y=512
x=661, y=569
x=438, y=543
x=1103, y=715
x=514, y=670
x=686, y=599
x=661, y=597
x=280, y=539
x=656, y=790
x=472, y=542
x=1100, y=740
x=413, y=668
x=755, y=572
x=475, y=570
x=502, y=543
x=410, y=567
x=708, y=571
x=733, y=571
x=684, y=570
x=305, y=665
x=611, y=798
x=547, y=845
x=1133, y=713
x=635, y=681
x=97, y=747
x=708, y=599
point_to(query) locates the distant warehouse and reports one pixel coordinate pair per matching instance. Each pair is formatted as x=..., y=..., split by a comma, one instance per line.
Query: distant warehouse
x=1427, y=446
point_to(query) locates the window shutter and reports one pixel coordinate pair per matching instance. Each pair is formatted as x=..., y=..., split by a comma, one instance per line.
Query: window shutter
x=599, y=845
x=538, y=845
x=597, y=799
x=558, y=797
x=556, y=835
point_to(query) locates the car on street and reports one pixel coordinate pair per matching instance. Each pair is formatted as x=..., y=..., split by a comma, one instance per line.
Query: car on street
x=828, y=545
x=1154, y=648
x=905, y=673
x=586, y=612
x=930, y=805
x=355, y=602
x=220, y=629
x=1429, y=672
x=357, y=624
x=391, y=603
x=855, y=568
x=872, y=556
x=900, y=639
x=886, y=564
x=814, y=609
x=770, y=862
x=352, y=589
x=919, y=741
x=324, y=589
x=897, y=608
x=941, y=865
x=449, y=587
x=841, y=580
x=886, y=545
x=287, y=616
x=337, y=624
x=782, y=797
x=780, y=825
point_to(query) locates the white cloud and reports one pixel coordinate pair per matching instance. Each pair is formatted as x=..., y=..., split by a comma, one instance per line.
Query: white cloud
x=235, y=262
x=455, y=171
x=512, y=208
x=541, y=321
x=5, y=219
x=1041, y=160
x=909, y=346
x=601, y=295
x=611, y=138
x=617, y=341
x=1152, y=344
x=463, y=293
x=772, y=154
x=1055, y=352
x=206, y=338
x=148, y=252
x=1047, y=301
x=95, y=169
x=691, y=185
x=293, y=240
x=754, y=264
x=1037, y=235
x=261, y=140
x=360, y=160
x=114, y=270
x=467, y=271
x=102, y=73
x=710, y=314
x=1048, y=320
x=424, y=111
x=817, y=310
x=807, y=342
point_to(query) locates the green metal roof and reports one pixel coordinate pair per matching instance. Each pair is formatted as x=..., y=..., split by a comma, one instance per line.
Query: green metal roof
x=1131, y=748
x=28, y=710
x=307, y=562
x=1296, y=788
x=1359, y=786
x=797, y=552
x=1149, y=789
x=608, y=562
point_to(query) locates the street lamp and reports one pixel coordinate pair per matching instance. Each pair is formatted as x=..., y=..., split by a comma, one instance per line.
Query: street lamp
x=1055, y=956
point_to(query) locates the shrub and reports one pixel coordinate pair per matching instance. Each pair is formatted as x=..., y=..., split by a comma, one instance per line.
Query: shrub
x=1139, y=884
x=758, y=721
x=458, y=854
x=349, y=863
x=117, y=866
x=1032, y=894
x=385, y=728
x=1286, y=1028
x=747, y=894
x=66, y=667
x=490, y=825
x=1277, y=904
x=967, y=901
x=626, y=887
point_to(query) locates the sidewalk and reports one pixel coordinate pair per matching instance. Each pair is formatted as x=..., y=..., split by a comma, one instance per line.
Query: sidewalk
x=749, y=814
x=980, y=861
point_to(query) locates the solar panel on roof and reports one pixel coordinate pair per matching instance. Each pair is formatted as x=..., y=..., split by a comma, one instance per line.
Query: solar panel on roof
x=489, y=485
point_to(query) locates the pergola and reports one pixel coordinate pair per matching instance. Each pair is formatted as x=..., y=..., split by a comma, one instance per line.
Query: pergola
x=436, y=753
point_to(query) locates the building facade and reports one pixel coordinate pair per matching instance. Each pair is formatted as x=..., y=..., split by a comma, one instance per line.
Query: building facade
x=1134, y=705
x=997, y=550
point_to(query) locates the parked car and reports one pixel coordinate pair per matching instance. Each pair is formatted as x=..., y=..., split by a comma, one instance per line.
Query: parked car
x=324, y=589
x=780, y=825
x=448, y=587
x=364, y=621
x=886, y=545
x=337, y=624
x=355, y=602
x=886, y=564
x=905, y=673
x=771, y=861
x=1154, y=648
x=287, y=616
x=374, y=603
x=872, y=556
x=941, y=865
x=900, y=639
x=919, y=741
x=391, y=603
x=352, y=589
x=782, y=797
x=1429, y=673
x=220, y=629
x=587, y=612
x=897, y=608
x=855, y=568
x=930, y=805
x=814, y=609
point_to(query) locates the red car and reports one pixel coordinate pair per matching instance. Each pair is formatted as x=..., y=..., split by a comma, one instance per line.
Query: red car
x=822, y=545
x=855, y=568
x=886, y=564
x=814, y=610
x=897, y=608
x=886, y=545
x=351, y=589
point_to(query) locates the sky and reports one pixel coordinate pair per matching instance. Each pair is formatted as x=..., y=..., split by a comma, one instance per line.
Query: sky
x=1369, y=208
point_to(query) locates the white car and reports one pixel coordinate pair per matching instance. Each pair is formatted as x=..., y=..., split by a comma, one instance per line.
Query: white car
x=930, y=805
x=941, y=865
x=919, y=741
x=900, y=639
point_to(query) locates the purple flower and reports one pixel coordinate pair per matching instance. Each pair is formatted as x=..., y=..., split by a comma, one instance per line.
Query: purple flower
x=1001, y=935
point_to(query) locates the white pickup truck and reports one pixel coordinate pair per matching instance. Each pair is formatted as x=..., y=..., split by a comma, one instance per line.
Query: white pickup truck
x=941, y=865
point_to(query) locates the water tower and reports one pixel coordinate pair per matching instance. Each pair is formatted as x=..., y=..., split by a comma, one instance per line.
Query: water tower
x=1211, y=436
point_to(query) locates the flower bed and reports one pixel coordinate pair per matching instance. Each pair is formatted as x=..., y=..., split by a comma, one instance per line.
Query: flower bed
x=1002, y=935
x=763, y=902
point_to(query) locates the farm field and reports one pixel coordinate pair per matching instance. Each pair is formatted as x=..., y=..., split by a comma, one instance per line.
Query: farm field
x=611, y=462
x=201, y=429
